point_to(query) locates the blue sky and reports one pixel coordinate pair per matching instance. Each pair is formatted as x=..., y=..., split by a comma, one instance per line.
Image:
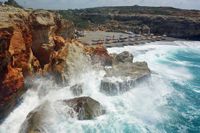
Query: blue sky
x=71, y=4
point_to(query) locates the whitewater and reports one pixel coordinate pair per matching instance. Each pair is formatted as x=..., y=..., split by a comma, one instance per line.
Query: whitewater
x=167, y=102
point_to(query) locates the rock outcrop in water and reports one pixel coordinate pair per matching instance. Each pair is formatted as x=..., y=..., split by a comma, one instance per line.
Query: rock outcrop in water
x=86, y=107
x=82, y=108
x=124, y=74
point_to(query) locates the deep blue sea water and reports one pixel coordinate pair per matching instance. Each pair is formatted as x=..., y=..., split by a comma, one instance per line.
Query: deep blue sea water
x=185, y=108
x=168, y=102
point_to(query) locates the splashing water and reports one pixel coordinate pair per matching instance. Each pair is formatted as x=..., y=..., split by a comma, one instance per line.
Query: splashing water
x=166, y=102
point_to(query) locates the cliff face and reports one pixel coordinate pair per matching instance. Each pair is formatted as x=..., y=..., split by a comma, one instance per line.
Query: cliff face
x=45, y=26
x=38, y=43
x=27, y=40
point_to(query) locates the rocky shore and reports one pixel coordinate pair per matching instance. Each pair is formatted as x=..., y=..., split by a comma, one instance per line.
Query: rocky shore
x=177, y=23
x=39, y=43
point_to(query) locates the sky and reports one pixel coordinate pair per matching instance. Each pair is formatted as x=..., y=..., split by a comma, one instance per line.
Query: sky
x=73, y=4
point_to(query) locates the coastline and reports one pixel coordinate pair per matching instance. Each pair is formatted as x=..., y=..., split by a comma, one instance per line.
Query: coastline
x=94, y=38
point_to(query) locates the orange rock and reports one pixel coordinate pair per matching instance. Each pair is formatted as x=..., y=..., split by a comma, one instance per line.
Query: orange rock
x=99, y=54
x=57, y=65
x=17, y=44
x=59, y=42
x=12, y=81
x=22, y=56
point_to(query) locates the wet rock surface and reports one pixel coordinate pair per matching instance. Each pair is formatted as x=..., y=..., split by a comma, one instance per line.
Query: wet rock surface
x=123, y=57
x=112, y=87
x=35, y=121
x=124, y=74
x=86, y=107
x=77, y=89
x=39, y=120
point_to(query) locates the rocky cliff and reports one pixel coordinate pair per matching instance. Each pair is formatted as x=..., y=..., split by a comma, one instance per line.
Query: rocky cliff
x=27, y=40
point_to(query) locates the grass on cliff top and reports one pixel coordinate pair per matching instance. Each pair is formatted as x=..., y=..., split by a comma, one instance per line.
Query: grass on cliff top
x=75, y=18
x=79, y=17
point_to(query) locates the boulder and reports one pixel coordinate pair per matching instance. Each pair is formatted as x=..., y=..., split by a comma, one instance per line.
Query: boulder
x=39, y=120
x=123, y=57
x=36, y=121
x=86, y=107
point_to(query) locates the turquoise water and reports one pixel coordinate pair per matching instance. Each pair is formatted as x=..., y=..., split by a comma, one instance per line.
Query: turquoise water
x=185, y=108
x=168, y=102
